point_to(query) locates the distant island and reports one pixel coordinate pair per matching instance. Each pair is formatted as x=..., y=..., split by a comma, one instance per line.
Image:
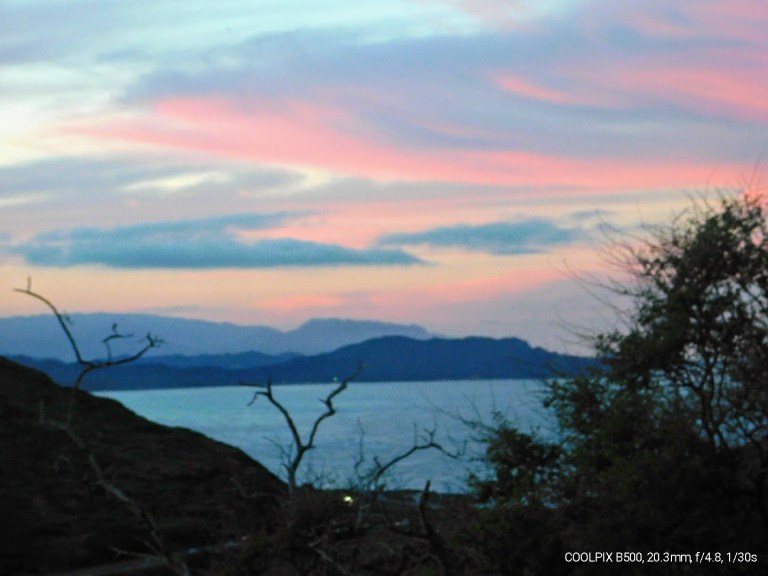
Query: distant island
x=384, y=359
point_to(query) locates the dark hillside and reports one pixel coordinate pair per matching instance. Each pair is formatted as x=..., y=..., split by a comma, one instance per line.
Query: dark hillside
x=397, y=358
x=386, y=359
x=56, y=514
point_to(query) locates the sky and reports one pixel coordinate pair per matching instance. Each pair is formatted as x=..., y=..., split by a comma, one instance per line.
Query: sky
x=451, y=163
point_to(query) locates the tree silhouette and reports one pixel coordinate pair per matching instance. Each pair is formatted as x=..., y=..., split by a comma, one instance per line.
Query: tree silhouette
x=666, y=448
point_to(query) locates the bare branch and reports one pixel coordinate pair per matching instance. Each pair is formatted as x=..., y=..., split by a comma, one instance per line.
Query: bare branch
x=61, y=318
x=89, y=366
x=293, y=463
x=421, y=442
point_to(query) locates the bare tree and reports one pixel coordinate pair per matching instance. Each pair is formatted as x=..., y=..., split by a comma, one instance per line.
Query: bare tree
x=371, y=479
x=87, y=366
x=363, y=505
x=295, y=457
x=171, y=560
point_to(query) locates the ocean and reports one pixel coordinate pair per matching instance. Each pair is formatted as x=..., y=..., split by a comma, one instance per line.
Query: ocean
x=373, y=420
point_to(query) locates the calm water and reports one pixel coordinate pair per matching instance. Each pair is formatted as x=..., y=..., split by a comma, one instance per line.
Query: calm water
x=382, y=417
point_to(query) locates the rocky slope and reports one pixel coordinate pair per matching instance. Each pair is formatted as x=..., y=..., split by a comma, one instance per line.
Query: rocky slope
x=94, y=492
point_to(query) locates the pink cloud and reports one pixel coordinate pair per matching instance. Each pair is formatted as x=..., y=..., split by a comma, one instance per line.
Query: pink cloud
x=723, y=77
x=465, y=291
x=412, y=303
x=293, y=133
x=307, y=135
x=497, y=13
x=736, y=19
x=732, y=93
x=303, y=303
x=591, y=87
x=724, y=85
x=744, y=19
x=522, y=87
x=486, y=288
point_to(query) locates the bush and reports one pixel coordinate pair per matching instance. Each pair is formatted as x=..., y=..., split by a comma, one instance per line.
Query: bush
x=666, y=449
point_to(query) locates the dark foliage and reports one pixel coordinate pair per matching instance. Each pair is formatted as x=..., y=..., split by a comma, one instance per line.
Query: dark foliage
x=666, y=450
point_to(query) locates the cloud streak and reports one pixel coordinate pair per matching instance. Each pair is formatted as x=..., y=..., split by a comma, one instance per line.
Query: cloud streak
x=298, y=134
x=608, y=101
x=498, y=238
x=75, y=179
x=197, y=244
x=380, y=132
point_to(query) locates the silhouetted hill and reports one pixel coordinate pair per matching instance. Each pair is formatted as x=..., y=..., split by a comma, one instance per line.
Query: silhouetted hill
x=396, y=358
x=56, y=515
x=142, y=375
x=388, y=359
x=327, y=334
x=229, y=361
x=41, y=336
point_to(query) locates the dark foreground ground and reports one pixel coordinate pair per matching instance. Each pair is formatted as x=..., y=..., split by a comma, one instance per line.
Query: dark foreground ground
x=112, y=493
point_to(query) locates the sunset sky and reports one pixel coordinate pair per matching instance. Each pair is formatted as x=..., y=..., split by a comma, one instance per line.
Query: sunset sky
x=443, y=162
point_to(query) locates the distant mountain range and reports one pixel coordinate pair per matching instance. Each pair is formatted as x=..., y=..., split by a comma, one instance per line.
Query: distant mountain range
x=385, y=359
x=42, y=337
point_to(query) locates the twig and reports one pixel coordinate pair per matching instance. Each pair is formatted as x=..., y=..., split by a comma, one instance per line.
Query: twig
x=292, y=464
x=89, y=366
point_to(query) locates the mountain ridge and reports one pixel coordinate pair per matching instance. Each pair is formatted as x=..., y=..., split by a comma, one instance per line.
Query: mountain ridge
x=398, y=358
x=40, y=336
x=385, y=359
